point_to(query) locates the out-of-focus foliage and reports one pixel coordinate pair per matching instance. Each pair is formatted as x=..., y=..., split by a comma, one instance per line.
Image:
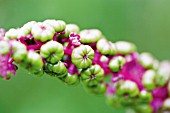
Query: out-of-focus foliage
x=144, y=22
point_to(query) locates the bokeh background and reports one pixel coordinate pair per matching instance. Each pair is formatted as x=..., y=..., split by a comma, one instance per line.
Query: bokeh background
x=144, y=22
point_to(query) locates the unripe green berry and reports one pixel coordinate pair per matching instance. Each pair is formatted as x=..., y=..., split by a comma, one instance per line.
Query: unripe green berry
x=4, y=47
x=144, y=108
x=12, y=34
x=59, y=67
x=166, y=104
x=98, y=89
x=70, y=28
x=33, y=62
x=124, y=47
x=148, y=79
x=58, y=25
x=130, y=110
x=52, y=51
x=71, y=79
x=90, y=36
x=58, y=70
x=20, y=55
x=163, y=73
x=48, y=67
x=117, y=63
x=156, y=64
x=92, y=75
x=126, y=101
x=19, y=51
x=105, y=47
x=42, y=31
x=127, y=87
x=38, y=73
x=61, y=75
x=82, y=56
x=26, y=29
x=114, y=101
x=168, y=87
x=145, y=96
x=146, y=60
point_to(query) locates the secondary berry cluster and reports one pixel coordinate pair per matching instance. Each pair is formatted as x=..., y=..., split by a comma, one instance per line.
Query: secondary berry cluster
x=137, y=81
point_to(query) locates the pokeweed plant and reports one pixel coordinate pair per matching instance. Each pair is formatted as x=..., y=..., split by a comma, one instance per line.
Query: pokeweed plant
x=138, y=82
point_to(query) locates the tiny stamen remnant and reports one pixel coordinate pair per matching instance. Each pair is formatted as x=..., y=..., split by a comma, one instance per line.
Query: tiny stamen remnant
x=43, y=27
x=92, y=77
x=85, y=57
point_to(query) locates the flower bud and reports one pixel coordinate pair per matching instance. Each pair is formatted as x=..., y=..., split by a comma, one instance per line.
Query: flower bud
x=103, y=58
x=82, y=56
x=52, y=51
x=117, y=63
x=92, y=75
x=90, y=36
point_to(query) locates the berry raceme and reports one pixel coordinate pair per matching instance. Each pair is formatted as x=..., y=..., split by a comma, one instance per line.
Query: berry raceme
x=138, y=81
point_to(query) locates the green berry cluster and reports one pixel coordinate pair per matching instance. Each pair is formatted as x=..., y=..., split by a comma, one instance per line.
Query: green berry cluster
x=74, y=56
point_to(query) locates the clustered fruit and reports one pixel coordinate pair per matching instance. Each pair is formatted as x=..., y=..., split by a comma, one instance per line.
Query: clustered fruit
x=138, y=82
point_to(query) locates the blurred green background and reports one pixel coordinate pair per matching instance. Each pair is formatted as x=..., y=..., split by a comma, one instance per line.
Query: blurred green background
x=144, y=22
